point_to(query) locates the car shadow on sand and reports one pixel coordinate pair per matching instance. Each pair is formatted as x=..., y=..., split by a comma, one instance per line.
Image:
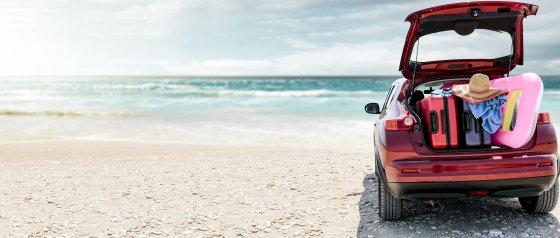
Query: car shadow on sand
x=483, y=217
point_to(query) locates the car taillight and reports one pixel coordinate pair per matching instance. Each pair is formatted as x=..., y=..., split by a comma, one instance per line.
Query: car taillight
x=544, y=118
x=401, y=124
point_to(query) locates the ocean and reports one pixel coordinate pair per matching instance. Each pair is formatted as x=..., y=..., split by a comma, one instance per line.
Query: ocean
x=224, y=110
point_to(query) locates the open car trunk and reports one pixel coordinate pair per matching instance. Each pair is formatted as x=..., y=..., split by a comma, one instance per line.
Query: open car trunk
x=445, y=123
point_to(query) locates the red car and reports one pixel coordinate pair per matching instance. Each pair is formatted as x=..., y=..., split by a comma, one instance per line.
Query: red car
x=408, y=167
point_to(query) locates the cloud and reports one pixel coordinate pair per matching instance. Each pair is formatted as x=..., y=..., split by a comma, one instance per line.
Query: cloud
x=290, y=5
x=300, y=44
x=364, y=58
x=225, y=37
x=552, y=66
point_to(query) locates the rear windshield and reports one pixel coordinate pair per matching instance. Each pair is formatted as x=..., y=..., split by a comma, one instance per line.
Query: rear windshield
x=449, y=45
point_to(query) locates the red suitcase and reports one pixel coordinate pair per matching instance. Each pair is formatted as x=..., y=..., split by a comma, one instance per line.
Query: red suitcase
x=439, y=114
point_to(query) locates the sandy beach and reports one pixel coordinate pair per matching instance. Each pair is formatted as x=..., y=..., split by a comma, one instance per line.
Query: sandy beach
x=116, y=189
x=125, y=189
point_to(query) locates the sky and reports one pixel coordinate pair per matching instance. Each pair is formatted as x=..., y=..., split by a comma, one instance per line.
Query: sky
x=230, y=37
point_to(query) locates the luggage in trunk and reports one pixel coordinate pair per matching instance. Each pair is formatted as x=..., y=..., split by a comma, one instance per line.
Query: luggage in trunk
x=439, y=114
x=475, y=135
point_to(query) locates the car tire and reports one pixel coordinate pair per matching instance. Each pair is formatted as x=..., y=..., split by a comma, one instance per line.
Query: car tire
x=543, y=203
x=390, y=208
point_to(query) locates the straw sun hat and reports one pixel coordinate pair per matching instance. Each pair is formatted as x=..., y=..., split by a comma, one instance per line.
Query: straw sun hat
x=478, y=90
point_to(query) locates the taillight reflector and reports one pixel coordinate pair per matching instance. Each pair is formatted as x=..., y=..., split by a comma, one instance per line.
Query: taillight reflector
x=543, y=118
x=544, y=164
x=409, y=170
x=479, y=193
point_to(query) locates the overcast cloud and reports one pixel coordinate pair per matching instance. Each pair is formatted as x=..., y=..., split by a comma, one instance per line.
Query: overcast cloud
x=229, y=37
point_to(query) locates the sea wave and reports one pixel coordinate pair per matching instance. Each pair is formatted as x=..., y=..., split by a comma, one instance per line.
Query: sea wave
x=61, y=90
x=294, y=93
x=202, y=93
x=142, y=87
x=174, y=90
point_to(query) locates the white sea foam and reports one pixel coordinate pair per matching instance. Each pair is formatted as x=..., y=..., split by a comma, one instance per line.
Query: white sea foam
x=298, y=93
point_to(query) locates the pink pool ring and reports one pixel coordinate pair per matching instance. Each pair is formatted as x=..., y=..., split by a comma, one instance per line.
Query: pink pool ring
x=529, y=88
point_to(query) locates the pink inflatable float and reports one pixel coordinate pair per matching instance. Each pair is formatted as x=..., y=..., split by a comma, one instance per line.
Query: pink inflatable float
x=521, y=110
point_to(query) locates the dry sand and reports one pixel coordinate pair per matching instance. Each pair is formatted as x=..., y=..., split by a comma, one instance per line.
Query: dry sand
x=124, y=189
x=86, y=188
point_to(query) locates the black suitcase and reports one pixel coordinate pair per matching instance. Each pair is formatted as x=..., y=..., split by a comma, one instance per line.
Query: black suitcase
x=474, y=134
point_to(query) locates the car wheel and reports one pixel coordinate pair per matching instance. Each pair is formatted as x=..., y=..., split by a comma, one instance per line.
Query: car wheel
x=543, y=203
x=389, y=207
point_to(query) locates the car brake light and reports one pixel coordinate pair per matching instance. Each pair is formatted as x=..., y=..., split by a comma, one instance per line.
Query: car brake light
x=544, y=118
x=402, y=124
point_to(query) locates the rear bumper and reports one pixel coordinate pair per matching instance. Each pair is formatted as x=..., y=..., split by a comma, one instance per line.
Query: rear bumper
x=507, y=176
x=472, y=169
x=505, y=188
